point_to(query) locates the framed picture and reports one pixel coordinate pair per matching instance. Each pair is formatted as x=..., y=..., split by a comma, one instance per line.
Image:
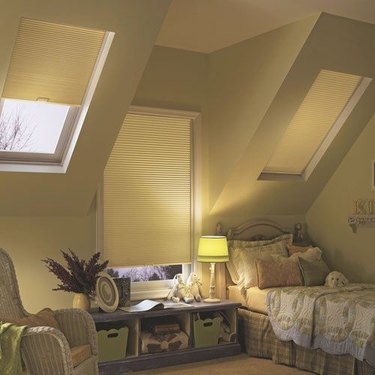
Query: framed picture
x=123, y=287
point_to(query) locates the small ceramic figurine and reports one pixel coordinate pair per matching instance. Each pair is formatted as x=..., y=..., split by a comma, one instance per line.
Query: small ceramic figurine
x=178, y=291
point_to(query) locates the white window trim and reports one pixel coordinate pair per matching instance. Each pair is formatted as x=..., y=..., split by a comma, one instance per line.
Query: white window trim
x=59, y=161
x=155, y=289
x=160, y=289
x=328, y=139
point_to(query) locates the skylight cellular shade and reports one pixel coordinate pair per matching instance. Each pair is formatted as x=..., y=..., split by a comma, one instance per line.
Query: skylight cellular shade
x=318, y=112
x=52, y=62
x=147, y=192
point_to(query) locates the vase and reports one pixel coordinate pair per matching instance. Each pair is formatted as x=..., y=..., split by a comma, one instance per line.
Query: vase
x=81, y=301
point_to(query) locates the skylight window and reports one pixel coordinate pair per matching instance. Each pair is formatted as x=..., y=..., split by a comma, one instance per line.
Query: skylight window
x=27, y=126
x=52, y=75
x=324, y=110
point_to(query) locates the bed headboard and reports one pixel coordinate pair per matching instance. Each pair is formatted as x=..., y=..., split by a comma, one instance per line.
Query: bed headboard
x=261, y=230
x=253, y=231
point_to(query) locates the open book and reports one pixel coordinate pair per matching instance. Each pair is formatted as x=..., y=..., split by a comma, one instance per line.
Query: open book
x=151, y=305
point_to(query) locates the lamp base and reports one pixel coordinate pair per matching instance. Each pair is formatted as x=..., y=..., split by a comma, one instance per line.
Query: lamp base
x=211, y=300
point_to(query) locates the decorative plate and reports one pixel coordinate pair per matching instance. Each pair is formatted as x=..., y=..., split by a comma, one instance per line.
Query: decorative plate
x=106, y=292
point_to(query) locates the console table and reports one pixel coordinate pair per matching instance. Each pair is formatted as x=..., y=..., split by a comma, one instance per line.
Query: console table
x=135, y=360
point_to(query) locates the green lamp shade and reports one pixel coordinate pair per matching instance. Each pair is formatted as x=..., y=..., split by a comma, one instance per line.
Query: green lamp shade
x=213, y=249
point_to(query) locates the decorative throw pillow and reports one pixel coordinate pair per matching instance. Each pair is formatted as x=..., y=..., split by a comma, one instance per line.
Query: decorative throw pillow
x=292, y=249
x=313, y=272
x=44, y=318
x=312, y=254
x=249, y=257
x=236, y=247
x=277, y=271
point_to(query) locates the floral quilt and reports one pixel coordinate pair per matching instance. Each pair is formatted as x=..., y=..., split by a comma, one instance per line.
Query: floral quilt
x=336, y=320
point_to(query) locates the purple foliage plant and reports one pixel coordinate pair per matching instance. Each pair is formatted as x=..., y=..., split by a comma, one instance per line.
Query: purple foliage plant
x=79, y=276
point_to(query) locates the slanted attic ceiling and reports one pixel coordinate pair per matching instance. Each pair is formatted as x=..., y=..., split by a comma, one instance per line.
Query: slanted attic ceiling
x=222, y=23
x=334, y=43
x=249, y=93
x=136, y=24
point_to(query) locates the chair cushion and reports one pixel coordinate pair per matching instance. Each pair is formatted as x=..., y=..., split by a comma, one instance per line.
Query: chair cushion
x=80, y=354
x=44, y=318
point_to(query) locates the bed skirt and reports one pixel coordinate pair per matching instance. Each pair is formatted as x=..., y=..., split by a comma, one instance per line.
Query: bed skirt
x=258, y=340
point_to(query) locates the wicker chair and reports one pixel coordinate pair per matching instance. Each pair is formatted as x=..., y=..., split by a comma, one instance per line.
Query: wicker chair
x=46, y=350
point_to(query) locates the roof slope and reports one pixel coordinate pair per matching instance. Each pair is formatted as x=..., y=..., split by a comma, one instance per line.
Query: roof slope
x=336, y=44
x=136, y=24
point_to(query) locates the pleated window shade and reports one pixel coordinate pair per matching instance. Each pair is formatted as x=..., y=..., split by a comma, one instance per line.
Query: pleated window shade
x=319, y=110
x=52, y=62
x=147, y=192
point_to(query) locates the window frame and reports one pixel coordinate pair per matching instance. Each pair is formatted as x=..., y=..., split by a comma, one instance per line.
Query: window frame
x=38, y=157
x=160, y=288
x=58, y=162
x=326, y=141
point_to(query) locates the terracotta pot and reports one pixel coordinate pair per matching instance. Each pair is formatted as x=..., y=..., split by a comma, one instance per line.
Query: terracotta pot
x=81, y=301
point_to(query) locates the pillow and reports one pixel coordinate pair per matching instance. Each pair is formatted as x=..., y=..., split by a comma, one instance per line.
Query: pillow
x=313, y=272
x=236, y=247
x=278, y=271
x=249, y=256
x=312, y=254
x=292, y=249
x=287, y=238
x=44, y=318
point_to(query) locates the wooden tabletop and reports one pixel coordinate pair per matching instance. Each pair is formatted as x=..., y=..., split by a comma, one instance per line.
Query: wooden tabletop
x=118, y=315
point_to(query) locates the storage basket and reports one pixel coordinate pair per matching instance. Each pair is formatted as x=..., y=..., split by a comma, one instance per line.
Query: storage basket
x=112, y=344
x=206, y=332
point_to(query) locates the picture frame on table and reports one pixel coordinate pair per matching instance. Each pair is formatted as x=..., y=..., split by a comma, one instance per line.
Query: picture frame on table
x=123, y=287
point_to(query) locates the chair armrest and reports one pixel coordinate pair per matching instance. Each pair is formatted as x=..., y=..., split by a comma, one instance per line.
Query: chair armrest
x=78, y=327
x=45, y=351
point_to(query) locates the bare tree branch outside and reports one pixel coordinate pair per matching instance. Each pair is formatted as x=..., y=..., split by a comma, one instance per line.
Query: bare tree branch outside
x=15, y=133
x=146, y=273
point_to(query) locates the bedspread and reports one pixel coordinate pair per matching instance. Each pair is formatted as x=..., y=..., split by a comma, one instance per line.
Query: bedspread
x=336, y=320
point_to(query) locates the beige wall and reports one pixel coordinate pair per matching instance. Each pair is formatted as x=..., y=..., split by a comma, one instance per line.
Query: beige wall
x=217, y=86
x=136, y=25
x=243, y=82
x=232, y=89
x=30, y=239
x=353, y=254
x=28, y=229
x=173, y=79
x=177, y=79
x=259, y=85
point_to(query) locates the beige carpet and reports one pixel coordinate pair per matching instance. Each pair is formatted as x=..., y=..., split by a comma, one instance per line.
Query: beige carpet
x=240, y=364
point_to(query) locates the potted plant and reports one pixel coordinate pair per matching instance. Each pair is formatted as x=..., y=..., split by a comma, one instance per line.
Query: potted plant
x=78, y=276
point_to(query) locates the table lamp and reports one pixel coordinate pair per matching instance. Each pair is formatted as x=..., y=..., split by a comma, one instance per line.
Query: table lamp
x=212, y=249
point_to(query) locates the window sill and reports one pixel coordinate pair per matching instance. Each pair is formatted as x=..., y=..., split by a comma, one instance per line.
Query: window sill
x=149, y=294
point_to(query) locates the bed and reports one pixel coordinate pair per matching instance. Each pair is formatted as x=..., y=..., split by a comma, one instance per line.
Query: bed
x=260, y=312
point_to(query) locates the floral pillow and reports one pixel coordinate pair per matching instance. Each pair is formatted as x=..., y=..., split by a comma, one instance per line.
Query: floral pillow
x=250, y=257
x=278, y=271
x=311, y=254
x=236, y=248
x=292, y=249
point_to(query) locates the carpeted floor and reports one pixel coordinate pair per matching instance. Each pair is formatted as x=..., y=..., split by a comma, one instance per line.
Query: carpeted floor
x=237, y=365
